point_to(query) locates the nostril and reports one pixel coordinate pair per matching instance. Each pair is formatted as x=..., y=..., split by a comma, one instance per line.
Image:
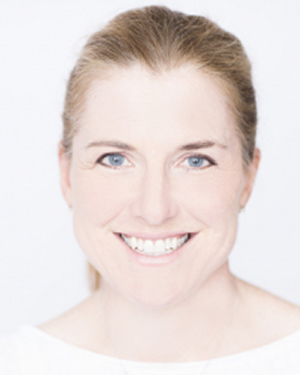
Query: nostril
x=154, y=212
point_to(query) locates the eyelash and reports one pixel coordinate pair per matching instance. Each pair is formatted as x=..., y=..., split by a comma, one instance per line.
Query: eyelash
x=210, y=160
x=100, y=160
x=200, y=156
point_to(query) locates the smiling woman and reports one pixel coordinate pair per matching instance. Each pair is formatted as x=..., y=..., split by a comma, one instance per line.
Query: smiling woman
x=157, y=159
x=182, y=112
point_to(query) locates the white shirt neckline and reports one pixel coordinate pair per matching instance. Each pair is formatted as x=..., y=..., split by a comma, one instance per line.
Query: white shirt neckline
x=264, y=350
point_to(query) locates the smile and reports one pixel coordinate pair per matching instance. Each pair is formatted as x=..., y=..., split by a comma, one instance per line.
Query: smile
x=155, y=248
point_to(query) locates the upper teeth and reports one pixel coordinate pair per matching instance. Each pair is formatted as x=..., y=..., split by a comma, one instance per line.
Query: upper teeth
x=155, y=248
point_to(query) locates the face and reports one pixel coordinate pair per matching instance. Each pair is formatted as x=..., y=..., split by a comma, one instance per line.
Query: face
x=156, y=182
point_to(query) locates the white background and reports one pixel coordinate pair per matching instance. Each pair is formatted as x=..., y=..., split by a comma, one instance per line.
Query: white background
x=42, y=269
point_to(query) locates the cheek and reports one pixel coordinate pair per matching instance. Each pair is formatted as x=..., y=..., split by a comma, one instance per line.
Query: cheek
x=96, y=198
x=214, y=198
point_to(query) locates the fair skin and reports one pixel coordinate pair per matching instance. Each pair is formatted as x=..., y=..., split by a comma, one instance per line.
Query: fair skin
x=176, y=168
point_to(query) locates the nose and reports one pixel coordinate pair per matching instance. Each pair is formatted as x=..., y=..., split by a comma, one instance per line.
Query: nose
x=154, y=203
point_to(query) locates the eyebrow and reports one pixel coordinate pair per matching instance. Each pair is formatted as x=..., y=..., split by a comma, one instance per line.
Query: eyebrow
x=187, y=147
x=201, y=144
x=117, y=144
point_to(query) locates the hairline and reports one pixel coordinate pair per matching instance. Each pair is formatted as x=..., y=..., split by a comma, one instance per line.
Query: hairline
x=102, y=70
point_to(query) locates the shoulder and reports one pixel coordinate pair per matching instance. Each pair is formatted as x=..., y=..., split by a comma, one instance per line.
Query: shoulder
x=30, y=351
x=272, y=317
x=12, y=352
x=25, y=351
x=80, y=327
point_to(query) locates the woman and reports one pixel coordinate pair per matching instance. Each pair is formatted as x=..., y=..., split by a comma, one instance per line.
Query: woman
x=157, y=159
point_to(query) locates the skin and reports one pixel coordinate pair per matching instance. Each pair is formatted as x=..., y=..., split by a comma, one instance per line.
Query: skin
x=180, y=310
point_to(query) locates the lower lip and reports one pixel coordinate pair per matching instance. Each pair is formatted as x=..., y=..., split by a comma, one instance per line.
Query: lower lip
x=148, y=260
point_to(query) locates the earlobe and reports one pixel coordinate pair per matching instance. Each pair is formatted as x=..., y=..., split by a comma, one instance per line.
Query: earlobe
x=250, y=178
x=65, y=181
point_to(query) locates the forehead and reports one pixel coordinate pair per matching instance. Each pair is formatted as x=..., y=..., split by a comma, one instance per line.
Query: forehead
x=182, y=102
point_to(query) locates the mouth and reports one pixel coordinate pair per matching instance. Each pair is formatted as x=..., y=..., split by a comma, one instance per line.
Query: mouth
x=155, y=248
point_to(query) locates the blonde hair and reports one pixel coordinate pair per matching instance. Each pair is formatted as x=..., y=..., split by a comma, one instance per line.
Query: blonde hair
x=162, y=39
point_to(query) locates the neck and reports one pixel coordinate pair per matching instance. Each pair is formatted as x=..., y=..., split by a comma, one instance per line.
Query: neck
x=188, y=331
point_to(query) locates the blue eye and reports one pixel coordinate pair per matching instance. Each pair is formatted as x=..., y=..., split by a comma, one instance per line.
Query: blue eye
x=200, y=162
x=113, y=160
x=116, y=160
x=195, y=161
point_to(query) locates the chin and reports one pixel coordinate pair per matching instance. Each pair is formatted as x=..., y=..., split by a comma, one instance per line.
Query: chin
x=153, y=295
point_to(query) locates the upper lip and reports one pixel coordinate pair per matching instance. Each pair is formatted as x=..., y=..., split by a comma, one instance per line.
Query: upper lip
x=154, y=236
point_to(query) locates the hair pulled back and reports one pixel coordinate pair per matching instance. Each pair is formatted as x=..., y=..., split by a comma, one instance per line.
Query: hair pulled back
x=160, y=40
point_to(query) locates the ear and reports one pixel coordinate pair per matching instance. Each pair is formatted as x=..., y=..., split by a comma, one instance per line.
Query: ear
x=250, y=175
x=64, y=168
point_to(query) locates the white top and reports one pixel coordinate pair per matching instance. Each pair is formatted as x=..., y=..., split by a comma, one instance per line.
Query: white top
x=30, y=351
